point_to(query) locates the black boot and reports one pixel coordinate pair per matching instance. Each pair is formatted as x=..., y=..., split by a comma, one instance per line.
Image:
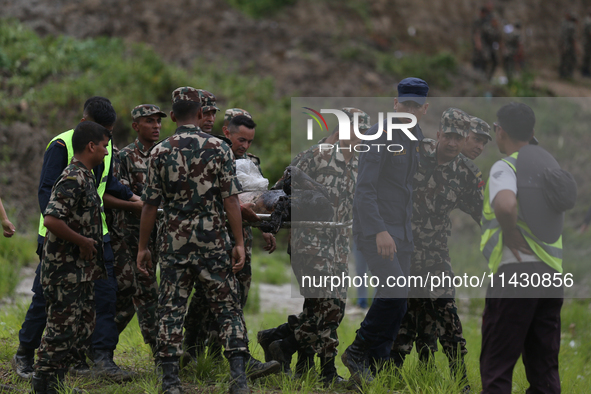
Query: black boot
x=356, y=359
x=105, y=367
x=171, y=383
x=50, y=383
x=193, y=347
x=304, y=364
x=238, y=374
x=328, y=372
x=22, y=362
x=265, y=337
x=282, y=350
x=256, y=369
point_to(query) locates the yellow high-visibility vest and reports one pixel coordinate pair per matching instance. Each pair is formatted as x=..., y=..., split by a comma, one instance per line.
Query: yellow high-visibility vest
x=102, y=186
x=491, y=241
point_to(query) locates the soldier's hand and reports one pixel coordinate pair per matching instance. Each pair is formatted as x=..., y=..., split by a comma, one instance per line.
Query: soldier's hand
x=238, y=258
x=516, y=243
x=248, y=215
x=144, y=261
x=271, y=243
x=386, y=245
x=87, y=249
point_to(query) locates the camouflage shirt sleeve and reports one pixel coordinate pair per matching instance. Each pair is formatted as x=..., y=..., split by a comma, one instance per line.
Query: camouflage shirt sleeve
x=471, y=199
x=152, y=194
x=228, y=182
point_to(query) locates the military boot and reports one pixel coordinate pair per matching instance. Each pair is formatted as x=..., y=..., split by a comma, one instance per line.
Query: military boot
x=50, y=383
x=194, y=347
x=304, y=364
x=282, y=350
x=328, y=372
x=256, y=369
x=356, y=359
x=171, y=383
x=105, y=367
x=265, y=337
x=22, y=362
x=238, y=375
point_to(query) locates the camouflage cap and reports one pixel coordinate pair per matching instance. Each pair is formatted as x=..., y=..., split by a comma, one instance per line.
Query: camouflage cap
x=232, y=112
x=364, y=123
x=186, y=93
x=455, y=120
x=479, y=126
x=146, y=110
x=207, y=101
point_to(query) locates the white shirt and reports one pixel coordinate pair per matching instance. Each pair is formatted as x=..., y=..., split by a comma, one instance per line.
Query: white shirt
x=502, y=177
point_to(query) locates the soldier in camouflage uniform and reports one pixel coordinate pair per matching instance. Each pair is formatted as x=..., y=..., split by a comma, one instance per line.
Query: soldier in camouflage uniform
x=323, y=252
x=136, y=292
x=193, y=176
x=444, y=181
x=72, y=257
x=478, y=137
x=568, y=46
x=239, y=130
x=586, y=66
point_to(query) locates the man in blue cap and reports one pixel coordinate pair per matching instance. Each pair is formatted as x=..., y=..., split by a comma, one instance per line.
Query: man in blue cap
x=382, y=211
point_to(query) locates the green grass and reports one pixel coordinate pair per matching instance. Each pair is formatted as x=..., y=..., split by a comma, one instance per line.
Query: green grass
x=15, y=252
x=132, y=354
x=52, y=77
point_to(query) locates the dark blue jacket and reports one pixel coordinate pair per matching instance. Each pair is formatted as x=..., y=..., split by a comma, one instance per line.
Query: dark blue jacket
x=383, y=194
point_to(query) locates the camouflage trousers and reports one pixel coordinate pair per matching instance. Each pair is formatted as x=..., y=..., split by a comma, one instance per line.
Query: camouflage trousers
x=431, y=315
x=199, y=310
x=70, y=322
x=323, y=311
x=178, y=274
x=136, y=292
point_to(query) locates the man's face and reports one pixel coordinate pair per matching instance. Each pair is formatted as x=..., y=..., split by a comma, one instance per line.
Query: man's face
x=148, y=128
x=206, y=123
x=241, y=138
x=353, y=141
x=474, y=145
x=449, y=145
x=412, y=107
x=100, y=151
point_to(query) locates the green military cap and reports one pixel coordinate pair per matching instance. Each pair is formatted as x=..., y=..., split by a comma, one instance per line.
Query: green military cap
x=455, y=120
x=146, y=110
x=364, y=123
x=207, y=101
x=232, y=112
x=186, y=93
x=479, y=126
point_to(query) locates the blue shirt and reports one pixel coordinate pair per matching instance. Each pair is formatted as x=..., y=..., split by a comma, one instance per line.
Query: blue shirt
x=383, y=194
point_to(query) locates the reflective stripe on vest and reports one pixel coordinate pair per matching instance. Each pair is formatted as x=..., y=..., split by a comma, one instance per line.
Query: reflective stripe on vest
x=491, y=241
x=67, y=138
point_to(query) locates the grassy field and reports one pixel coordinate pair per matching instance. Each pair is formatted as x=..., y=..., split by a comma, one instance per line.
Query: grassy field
x=132, y=354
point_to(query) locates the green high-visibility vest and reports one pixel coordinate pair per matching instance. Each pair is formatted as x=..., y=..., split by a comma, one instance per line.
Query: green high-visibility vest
x=102, y=186
x=491, y=241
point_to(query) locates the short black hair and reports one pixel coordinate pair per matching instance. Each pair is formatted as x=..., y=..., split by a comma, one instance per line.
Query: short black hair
x=99, y=110
x=86, y=132
x=242, y=120
x=96, y=98
x=518, y=120
x=185, y=109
